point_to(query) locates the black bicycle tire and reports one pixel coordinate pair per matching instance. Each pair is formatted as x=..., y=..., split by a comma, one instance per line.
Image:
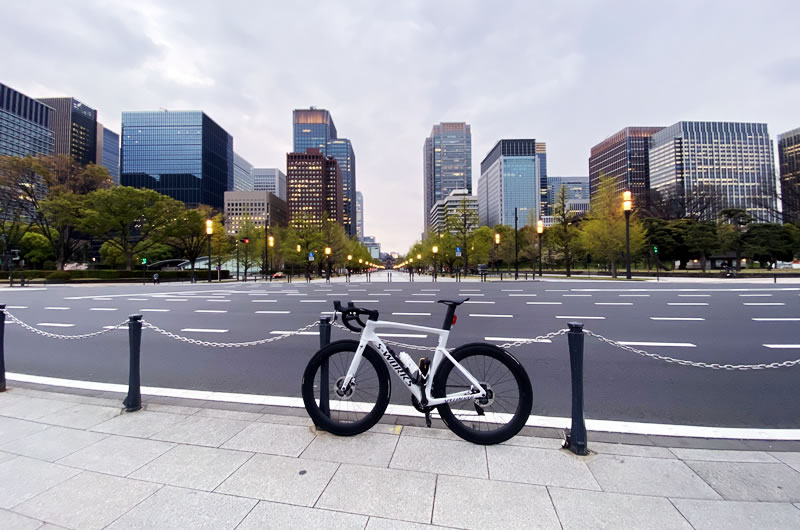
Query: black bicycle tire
x=328, y=424
x=521, y=415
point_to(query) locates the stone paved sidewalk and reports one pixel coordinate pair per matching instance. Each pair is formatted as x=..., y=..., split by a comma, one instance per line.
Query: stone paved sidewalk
x=76, y=461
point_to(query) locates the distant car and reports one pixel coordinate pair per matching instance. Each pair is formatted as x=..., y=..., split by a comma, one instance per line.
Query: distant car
x=278, y=275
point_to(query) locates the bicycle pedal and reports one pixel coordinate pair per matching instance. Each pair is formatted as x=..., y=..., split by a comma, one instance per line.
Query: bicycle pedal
x=428, y=418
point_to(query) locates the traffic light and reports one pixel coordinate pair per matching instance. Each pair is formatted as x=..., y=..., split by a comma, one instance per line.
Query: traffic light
x=655, y=249
x=245, y=240
x=144, y=261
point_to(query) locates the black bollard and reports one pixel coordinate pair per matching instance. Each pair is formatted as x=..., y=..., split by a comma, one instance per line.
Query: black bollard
x=575, y=438
x=324, y=391
x=133, y=401
x=2, y=347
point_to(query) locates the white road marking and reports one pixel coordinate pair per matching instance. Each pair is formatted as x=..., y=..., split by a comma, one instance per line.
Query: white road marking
x=470, y=294
x=613, y=303
x=635, y=295
x=102, y=309
x=706, y=295
x=513, y=339
x=337, y=294
x=660, y=344
x=366, y=301
x=272, y=312
x=470, y=290
x=764, y=303
x=676, y=318
x=294, y=333
x=313, y=301
x=379, y=294
x=57, y=308
x=394, y=290
x=784, y=319
x=419, y=301
x=656, y=429
x=429, y=290
x=154, y=310
x=203, y=330
x=576, y=295
x=103, y=299
x=687, y=303
x=137, y=299
x=486, y=315
x=54, y=325
x=176, y=300
x=477, y=302
x=264, y=301
x=223, y=301
x=557, y=290
x=522, y=294
x=423, y=294
x=581, y=318
x=403, y=335
x=356, y=290
x=782, y=346
x=210, y=310
x=16, y=307
x=748, y=295
x=543, y=303
x=297, y=294
x=322, y=290
x=413, y=314
x=510, y=291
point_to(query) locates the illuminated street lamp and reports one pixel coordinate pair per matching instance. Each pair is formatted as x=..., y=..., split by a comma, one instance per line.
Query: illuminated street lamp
x=209, y=232
x=626, y=206
x=328, y=263
x=496, y=244
x=435, y=251
x=539, y=230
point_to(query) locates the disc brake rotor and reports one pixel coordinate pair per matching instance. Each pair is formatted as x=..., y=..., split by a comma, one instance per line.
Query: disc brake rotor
x=348, y=392
x=489, y=399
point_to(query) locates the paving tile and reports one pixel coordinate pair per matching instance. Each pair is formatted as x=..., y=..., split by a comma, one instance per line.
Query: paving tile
x=88, y=501
x=790, y=459
x=539, y=466
x=15, y=521
x=721, y=455
x=732, y=514
x=243, y=407
x=597, y=509
x=750, y=482
x=173, y=409
x=474, y=503
x=190, y=466
x=6, y=456
x=281, y=479
x=391, y=493
x=440, y=456
x=270, y=438
x=81, y=416
x=179, y=509
x=428, y=432
x=387, y=428
x=377, y=523
x=649, y=476
x=303, y=421
x=31, y=477
x=284, y=516
x=12, y=429
x=197, y=430
x=31, y=408
x=141, y=424
x=117, y=455
x=369, y=449
x=230, y=414
x=52, y=443
x=541, y=443
x=649, y=451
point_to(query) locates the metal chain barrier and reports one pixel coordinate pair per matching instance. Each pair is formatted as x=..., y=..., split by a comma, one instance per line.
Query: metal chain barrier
x=695, y=364
x=43, y=333
x=226, y=344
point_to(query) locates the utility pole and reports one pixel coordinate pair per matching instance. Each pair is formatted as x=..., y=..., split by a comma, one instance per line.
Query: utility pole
x=516, y=247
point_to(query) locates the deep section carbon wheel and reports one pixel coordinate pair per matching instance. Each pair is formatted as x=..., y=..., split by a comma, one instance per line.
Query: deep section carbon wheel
x=356, y=408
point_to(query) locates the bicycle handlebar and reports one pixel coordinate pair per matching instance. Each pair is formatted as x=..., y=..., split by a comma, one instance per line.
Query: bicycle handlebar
x=352, y=313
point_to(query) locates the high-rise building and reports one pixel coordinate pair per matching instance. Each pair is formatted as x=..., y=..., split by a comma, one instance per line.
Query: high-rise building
x=24, y=124
x=451, y=205
x=789, y=161
x=342, y=150
x=270, y=179
x=541, y=172
x=373, y=247
x=242, y=174
x=314, y=186
x=74, y=126
x=359, y=215
x=260, y=208
x=107, y=152
x=183, y=154
x=701, y=168
x=510, y=180
x=577, y=192
x=447, y=164
x=624, y=157
x=313, y=128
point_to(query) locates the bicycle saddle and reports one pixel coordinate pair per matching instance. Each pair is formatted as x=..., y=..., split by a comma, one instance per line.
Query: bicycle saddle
x=452, y=303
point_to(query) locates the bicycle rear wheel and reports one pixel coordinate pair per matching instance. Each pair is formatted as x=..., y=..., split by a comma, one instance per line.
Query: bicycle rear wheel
x=362, y=405
x=499, y=416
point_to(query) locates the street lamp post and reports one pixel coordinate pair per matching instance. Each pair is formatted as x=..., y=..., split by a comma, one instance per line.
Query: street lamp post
x=539, y=230
x=209, y=231
x=328, y=264
x=626, y=206
x=435, y=251
x=496, y=245
x=270, y=244
x=516, y=247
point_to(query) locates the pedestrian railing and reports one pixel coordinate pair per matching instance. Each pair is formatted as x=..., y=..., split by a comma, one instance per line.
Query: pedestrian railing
x=575, y=437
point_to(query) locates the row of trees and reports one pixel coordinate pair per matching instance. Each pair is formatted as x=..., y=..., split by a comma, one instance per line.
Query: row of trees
x=599, y=238
x=52, y=208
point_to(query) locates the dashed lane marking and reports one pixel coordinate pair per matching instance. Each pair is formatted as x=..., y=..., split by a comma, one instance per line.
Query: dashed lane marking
x=366, y=301
x=580, y=318
x=420, y=301
x=613, y=303
x=272, y=312
x=297, y=294
x=779, y=319
x=687, y=303
x=764, y=303
x=477, y=302
x=704, y=295
x=16, y=307
x=515, y=339
x=294, y=333
x=557, y=290
x=102, y=299
x=751, y=295
x=782, y=346
x=263, y=301
x=412, y=314
x=659, y=344
x=176, y=300
x=137, y=299
x=403, y=335
x=487, y=315
x=54, y=325
x=217, y=300
x=379, y=294
x=203, y=330
x=423, y=294
x=522, y=295
x=677, y=318
x=470, y=294
x=470, y=290
x=54, y=308
x=565, y=295
x=210, y=310
x=313, y=301
x=103, y=309
x=635, y=295
x=544, y=303
x=511, y=291
x=154, y=310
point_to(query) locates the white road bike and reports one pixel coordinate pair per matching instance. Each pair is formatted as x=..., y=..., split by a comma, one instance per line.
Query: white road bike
x=482, y=393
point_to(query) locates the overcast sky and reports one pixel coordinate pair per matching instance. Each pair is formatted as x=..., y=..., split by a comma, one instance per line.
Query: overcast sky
x=567, y=73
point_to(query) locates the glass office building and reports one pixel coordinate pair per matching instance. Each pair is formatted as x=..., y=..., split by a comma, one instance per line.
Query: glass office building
x=74, y=125
x=183, y=154
x=510, y=180
x=24, y=124
x=315, y=188
x=624, y=157
x=577, y=192
x=108, y=151
x=447, y=164
x=359, y=215
x=705, y=167
x=342, y=150
x=242, y=175
x=270, y=179
x=789, y=161
x=313, y=128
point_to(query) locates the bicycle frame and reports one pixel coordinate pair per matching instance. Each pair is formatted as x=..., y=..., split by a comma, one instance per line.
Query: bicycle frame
x=370, y=337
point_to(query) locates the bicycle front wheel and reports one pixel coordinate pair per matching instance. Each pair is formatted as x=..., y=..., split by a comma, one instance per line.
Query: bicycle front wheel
x=507, y=406
x=355, y=409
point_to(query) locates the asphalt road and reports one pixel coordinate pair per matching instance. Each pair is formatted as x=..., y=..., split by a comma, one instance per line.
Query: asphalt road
x=726, y=322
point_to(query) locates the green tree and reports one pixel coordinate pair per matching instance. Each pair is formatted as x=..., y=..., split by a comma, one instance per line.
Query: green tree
x=771, y=242
x=732, y=231
x=565, y=236
x=187, y=234
x=462, y=223
x=702, y=239
x=35, y=250
x=130, y=219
